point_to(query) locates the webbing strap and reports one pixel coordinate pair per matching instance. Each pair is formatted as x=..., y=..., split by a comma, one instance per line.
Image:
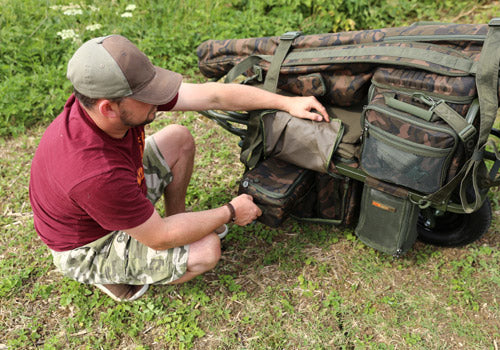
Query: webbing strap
x=286, y=40
x=252, y=143
x=391, y=101
x=487, y=89
x=354, y=54
x=474, y=170
x=241, y=68
x=494, y=179
x=253, y=146
x=463, y=129
x=323, y=56
x=487, y=80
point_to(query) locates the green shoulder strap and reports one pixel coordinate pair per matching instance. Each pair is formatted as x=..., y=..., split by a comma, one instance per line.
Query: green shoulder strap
x=286, y=40
x=487, y=88
x=487, y=80
x=251, y=150
x=474, y=170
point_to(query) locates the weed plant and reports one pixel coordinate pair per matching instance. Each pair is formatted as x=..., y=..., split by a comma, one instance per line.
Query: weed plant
x=302, y=286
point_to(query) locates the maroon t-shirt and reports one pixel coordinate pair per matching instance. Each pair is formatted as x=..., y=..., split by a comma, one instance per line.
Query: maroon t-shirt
x=84, y=183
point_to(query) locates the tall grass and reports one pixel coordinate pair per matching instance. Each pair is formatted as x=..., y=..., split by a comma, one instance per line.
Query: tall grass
x=38, y=37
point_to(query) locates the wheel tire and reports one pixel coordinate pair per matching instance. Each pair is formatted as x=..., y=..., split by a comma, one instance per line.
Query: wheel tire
x=455, y=230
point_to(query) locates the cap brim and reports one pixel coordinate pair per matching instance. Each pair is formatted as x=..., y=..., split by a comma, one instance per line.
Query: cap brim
x=161, y=89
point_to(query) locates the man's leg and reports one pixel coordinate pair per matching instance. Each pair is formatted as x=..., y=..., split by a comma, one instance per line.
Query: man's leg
x=123, y=265
x=177, y=147
x=203, y=256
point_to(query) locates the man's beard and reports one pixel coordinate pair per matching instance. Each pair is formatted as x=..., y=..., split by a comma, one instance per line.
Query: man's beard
x=126, y=118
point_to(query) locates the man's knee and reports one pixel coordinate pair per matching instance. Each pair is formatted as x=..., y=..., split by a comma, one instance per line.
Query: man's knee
x=175, y=140
x=184, y=138
x=204, y=254
x=214, y=254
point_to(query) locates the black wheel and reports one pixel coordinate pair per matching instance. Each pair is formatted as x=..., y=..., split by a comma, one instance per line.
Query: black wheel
x=448, y=229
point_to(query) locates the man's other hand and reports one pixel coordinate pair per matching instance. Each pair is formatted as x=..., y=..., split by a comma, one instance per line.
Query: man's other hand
x=246, y=210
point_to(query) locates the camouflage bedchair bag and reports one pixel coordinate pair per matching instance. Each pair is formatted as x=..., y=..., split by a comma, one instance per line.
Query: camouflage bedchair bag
x=411, y=108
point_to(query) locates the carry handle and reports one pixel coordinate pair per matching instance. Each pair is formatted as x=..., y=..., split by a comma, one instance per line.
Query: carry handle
x=391, y=101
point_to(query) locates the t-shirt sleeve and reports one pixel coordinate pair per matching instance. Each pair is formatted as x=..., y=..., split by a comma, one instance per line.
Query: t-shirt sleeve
x=113, y=200
x=168, y=106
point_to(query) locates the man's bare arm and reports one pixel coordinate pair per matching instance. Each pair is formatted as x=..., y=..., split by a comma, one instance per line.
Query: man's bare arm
x=185, y=228
x=238, y=97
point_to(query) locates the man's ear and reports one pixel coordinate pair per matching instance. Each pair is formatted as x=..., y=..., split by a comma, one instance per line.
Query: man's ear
x=108, y=109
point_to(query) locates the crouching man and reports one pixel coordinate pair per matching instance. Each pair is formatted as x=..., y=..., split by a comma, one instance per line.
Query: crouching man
x=95, y=177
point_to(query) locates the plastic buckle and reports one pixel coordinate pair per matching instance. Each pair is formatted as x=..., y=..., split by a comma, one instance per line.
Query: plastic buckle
x=257, y=70
x=429, y=101
x=290, y=35
x=467, y=133
x=495, y=22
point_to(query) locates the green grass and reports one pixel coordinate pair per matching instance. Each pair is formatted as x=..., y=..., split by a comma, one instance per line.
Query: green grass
x=298, y=287
x=302, y=286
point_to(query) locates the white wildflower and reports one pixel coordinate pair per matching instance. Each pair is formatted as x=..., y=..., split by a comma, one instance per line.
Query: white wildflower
x=127, y=14
x=130, y=7
x=68, y=34
x=93, y=8
x=73, y=12
x=70, y=7
x=93, y=27
x=65, y=7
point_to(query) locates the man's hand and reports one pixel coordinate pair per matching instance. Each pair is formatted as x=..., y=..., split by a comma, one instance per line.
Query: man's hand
x=245, y=209
x=307, y=108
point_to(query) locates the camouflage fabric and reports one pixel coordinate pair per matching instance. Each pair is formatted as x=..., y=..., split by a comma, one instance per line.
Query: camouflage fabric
x=305, y=85
x=276, y=187
x=345, y=70
x=217, y=57
x=334, y=199
x=156, y=170
x=459, y=92
x=419, y=132
x=118, y=258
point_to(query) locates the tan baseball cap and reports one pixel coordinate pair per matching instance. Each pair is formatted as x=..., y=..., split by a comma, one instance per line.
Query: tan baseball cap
x=113, y=67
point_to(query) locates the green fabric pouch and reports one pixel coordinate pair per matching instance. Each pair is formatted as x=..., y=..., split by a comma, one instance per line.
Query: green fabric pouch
x=304, y=143
x=405, y=150
x=388, y=220
x=276, y=187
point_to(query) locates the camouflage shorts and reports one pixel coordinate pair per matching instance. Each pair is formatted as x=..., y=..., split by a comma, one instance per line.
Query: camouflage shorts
x=119, y=258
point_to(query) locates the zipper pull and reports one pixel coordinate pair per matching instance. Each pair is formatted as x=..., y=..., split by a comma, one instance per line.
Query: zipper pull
x=429, y=101
x=245, y=183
